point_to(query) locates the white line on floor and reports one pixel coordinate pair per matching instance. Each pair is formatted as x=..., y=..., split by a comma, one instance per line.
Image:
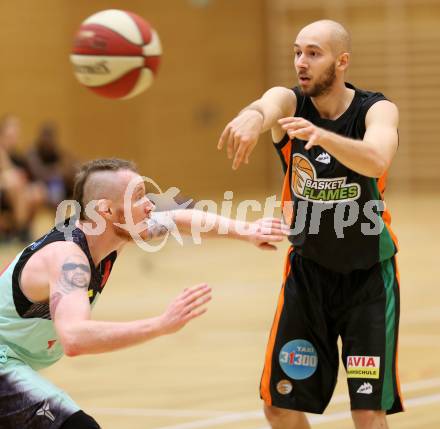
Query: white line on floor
x=155, y=412
x=345, y=415
x=216, y=418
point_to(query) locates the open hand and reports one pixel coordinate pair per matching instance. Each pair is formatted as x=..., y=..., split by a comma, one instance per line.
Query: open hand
x=187, y=306
x=302, y=129
x=240, y=136
x=266, y=231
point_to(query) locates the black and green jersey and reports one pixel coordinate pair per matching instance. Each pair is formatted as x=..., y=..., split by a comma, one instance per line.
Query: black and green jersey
x=335, y=213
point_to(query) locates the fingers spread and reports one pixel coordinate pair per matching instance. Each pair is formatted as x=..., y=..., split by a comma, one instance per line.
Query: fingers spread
x=194, y=314
x=189, y=292
x=201, y=301
x=230, y=146
x=196, y=293
x=247, y=154
x=237, y=141
x=238, y=159
x=223, y=138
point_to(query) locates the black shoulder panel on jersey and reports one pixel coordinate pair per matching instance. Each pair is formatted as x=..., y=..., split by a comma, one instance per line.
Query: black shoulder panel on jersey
x=99, y=275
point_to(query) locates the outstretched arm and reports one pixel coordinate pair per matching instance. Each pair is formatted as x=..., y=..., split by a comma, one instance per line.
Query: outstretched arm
x=371, y=156
x=70, y=310
x=240, y=136
x=262, y=233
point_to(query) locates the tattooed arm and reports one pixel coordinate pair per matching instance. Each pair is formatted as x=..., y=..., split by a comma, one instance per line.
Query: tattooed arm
x=70, y=309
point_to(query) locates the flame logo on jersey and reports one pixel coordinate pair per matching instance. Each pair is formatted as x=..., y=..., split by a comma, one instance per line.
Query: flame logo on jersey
x=307, y=186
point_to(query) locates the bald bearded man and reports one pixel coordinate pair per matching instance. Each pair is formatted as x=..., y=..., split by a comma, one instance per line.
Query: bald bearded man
x=335, y=142
x=47, y=292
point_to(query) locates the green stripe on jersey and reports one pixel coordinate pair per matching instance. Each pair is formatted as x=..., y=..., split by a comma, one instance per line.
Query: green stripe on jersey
x=386, y=244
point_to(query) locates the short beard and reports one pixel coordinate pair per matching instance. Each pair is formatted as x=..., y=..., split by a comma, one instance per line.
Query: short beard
x=323, y=86
x=120, y=231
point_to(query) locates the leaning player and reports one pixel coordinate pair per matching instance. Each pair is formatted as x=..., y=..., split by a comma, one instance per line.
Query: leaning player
x=336, y=143
x=47, y=292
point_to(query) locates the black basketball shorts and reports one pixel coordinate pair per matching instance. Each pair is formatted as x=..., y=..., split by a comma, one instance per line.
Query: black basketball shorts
x=315, y=307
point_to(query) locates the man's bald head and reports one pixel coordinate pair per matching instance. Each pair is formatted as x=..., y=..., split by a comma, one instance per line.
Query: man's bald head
x=322, y=53
x=327, y=32
x=102, y=179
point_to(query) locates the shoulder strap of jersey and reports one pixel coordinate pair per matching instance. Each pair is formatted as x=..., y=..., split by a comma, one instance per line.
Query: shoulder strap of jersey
x=300, y=101
x=370, y=100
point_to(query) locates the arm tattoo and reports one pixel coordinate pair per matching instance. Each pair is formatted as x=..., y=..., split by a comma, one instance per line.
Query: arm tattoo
x=75, y=274
x=53, y=303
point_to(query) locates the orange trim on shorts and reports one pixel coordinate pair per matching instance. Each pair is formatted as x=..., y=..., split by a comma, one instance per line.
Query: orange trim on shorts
x=267, y=371
x=287, y=210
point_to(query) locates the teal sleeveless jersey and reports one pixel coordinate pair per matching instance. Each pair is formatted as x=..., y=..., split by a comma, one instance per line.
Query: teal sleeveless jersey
x=27, y=332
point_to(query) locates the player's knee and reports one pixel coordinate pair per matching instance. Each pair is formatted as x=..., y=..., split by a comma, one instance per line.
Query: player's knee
x=366, y=419
x=80, y=420
x=280, y=417
x=272, y=413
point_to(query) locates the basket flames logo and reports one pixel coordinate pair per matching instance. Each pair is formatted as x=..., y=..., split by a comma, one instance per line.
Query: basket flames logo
x=307, y=186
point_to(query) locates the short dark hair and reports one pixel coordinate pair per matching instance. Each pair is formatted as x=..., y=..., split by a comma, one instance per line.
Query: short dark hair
x=110, y=164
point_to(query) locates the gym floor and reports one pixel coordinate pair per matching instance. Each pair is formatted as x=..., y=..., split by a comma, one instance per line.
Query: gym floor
x=207, y=375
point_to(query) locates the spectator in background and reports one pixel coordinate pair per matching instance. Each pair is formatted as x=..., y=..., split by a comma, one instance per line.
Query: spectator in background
x=52, y=166
x=20, y=196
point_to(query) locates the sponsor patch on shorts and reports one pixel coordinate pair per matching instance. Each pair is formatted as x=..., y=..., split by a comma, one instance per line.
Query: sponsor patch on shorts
x=366, y=389
x=298, y=359
x=363, y=366
x=284, y=387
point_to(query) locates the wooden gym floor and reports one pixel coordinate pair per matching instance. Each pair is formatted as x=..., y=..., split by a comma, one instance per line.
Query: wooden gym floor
x=207, y=375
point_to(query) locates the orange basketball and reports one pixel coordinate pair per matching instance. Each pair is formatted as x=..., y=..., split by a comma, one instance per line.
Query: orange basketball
x=116, y=54
x=301, y=170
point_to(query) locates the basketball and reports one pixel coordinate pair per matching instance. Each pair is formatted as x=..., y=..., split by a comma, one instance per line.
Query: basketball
x=301, y=171
x=116, y=54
